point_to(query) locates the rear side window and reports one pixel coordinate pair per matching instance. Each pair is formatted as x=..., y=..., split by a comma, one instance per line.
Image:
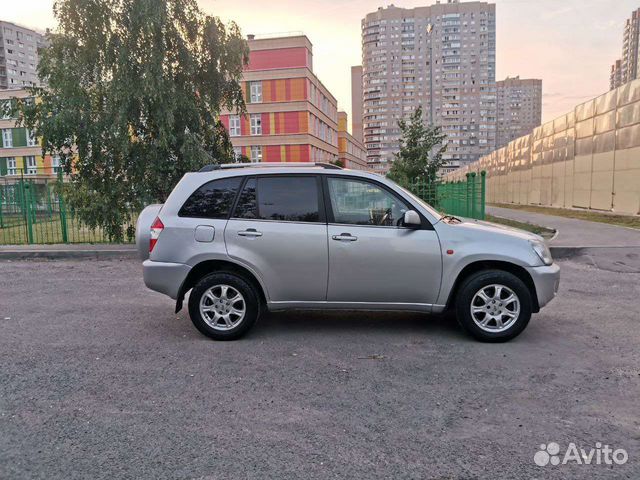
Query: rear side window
x=212, y=200
x=282, y=198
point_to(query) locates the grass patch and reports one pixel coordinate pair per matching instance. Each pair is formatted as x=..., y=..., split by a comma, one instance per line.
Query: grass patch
x=529, y=227
x=589, y=215
x=48, y=231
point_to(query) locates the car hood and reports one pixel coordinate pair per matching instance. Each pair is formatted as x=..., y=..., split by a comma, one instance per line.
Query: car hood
x=489, y=228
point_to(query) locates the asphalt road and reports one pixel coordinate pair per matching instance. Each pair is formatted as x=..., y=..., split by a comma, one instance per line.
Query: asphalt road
x=99, y=379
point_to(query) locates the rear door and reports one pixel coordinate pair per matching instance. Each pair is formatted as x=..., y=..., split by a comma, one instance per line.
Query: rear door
x=278, y=228
x=373, y=258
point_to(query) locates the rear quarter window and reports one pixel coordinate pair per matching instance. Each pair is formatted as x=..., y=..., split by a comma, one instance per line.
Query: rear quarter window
x=212, y=200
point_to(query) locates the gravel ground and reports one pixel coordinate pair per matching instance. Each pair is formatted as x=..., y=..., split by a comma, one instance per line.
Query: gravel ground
x=99, y=379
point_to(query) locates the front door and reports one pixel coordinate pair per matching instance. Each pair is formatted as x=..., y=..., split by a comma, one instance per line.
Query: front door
x=372, y=257
x=278, y=228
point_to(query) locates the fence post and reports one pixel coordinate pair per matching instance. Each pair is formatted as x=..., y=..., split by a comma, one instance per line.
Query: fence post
x=3, y=194
x=26, y=196
x=467, y=195
x=483, y=191
x=473, y=194
x=63, y=210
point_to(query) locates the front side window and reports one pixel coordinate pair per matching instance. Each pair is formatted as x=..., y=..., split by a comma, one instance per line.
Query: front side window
x=358, y=202
x=212, y=200
x=256, y=92
x=234, y=125
x=256, y=124
x=7, y=138
x=32, y=166
x=281, y=198
x=256, y=154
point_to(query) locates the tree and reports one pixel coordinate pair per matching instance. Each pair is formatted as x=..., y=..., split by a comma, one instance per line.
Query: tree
x=133, y=96
x=421, y=149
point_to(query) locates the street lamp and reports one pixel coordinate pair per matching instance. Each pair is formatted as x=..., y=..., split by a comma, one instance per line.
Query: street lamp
x=430, y=37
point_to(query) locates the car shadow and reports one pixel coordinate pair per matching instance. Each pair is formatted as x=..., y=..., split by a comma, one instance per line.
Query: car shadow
x=294, y=323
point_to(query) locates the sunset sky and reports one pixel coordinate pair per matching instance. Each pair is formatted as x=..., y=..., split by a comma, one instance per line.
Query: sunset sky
x=570, y=44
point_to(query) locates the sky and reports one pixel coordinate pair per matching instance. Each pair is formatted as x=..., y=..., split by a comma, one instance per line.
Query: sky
x=569, y=44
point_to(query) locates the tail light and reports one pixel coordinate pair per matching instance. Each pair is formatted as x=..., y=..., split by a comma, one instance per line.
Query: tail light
x=156, y=227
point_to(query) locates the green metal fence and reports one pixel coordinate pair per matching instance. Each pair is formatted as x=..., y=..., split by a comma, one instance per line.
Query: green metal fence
x=33, y=211
x=463, y=199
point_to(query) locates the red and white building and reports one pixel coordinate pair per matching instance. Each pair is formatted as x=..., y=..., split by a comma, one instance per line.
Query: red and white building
x=291, y=116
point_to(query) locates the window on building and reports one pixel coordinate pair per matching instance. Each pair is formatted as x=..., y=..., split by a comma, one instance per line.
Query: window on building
x=237, y=153
x=256, y=124
x=12, y=168
x=7, y=138
x=32, y=166
x=212, y=200
x=32, y=141
x=234, y=125
x=256, y=92
x=256, y=154
x=5, y=109
x=55, y=163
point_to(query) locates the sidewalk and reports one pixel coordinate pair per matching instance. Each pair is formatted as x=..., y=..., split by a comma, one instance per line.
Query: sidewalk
x=97, y=251
x=572, y=232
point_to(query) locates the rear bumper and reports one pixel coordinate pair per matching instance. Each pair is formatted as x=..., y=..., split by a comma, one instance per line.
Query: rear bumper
x=547, y=281
x=165, y=277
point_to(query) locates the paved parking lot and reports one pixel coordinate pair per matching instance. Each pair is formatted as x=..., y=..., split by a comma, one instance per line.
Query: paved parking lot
x=99, y=379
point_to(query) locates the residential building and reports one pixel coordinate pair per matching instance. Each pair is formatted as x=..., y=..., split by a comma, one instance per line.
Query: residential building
x=351, y=152
x=291, y=116
x=18, y=56
x=356, y=103
x=20, y=150
x=519, y=107
x=440, y=57
x=626, y=68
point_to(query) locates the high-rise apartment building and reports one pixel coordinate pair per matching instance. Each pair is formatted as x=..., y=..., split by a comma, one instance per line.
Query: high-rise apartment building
x=626, y=68
x=519, y=108
x=440, y=57
x=351, y=152
x=291, y=116
x=356, y=103
x=18, y=56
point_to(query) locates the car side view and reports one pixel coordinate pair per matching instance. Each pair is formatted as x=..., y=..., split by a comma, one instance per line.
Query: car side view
x=245, y=238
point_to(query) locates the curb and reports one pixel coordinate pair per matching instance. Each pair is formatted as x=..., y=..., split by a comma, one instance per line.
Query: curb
x=566, y=253
x=116, y=254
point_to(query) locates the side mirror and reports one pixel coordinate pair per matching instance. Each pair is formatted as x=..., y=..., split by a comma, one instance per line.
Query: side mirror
x=412, y=219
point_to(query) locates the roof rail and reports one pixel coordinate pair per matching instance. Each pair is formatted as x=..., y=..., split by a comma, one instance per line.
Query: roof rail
x=225, y=166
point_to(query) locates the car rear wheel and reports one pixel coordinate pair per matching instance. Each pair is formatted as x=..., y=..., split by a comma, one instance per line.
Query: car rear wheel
x=493, y=305
x=223, y=306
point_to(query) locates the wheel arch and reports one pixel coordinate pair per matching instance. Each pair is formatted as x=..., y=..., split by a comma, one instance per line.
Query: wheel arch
x=482, y=265
x=209, y=266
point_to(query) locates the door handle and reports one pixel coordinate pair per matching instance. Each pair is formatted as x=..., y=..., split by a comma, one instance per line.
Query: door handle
x=345, y=237
x=250, y=232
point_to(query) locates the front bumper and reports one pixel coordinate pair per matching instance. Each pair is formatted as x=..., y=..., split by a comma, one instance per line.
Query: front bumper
x=165, y=277
x=547, y=281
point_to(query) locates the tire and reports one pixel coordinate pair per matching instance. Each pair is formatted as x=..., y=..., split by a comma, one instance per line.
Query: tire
x=500, y=305
x=220, y=320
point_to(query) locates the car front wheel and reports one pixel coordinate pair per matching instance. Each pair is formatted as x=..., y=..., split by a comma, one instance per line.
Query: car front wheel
x=493, y=305
x=223, y=306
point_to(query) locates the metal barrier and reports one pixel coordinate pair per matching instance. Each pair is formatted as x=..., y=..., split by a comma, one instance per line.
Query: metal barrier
x=462, y=198
x=33, y=211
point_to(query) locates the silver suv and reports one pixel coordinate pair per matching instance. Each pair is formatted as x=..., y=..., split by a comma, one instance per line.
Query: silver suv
x=253, y=237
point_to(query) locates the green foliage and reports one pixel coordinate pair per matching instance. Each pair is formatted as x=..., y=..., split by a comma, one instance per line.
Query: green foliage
x=421, y=149
x=134, y=91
